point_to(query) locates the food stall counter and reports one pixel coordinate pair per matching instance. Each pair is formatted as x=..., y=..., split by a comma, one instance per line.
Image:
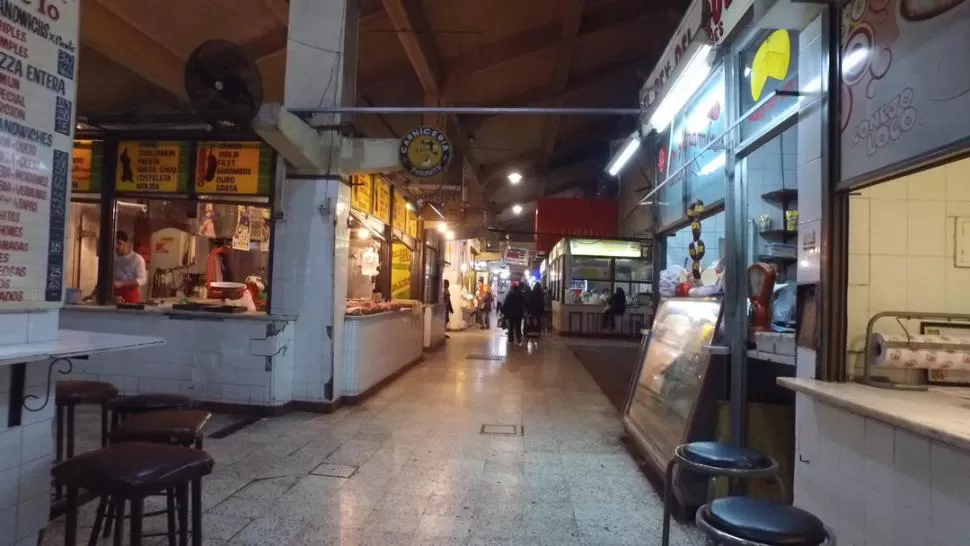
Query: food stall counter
x=167, y=309
x=381, y=341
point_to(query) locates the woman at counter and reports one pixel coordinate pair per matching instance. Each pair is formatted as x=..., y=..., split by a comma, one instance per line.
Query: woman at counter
x=615, y=308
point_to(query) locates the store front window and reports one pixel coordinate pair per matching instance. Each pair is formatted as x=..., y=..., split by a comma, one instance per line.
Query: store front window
x=84, y=231
x=769, y=66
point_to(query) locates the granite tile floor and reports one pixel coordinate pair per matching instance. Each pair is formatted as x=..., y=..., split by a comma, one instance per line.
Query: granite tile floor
x=411, y=466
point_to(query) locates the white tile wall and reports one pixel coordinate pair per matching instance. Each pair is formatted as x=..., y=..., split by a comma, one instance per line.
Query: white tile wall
x=878, y=485
x=214, y=360
x=378, y=347
x=901, y=251
x=25, y=462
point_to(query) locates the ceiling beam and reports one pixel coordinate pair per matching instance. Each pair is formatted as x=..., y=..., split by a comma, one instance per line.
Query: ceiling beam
x=572, y=18
x=413, y=30
x=107, y=33
x=280, y=9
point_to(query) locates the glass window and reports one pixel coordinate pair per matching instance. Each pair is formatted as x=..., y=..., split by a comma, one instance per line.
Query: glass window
x=772, y=200
x=712, y=234
x=83, y=233
x=701, y=126
x=633, y=270
x=591, y=269
x=769, y=64
x=187, y=244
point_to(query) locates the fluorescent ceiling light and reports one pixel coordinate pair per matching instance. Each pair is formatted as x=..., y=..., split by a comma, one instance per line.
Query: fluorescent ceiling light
x=629, y=148
x=713, y=165
x=515, y=177
x=450, y=235
x=442, y=227
x=517, y=209
x=695, y=72
x=409, y=205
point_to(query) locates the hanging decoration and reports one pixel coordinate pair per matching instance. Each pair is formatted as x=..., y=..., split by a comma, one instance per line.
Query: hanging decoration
x=696, y=248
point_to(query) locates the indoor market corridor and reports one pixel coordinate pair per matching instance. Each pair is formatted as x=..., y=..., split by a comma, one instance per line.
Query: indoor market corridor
x=412, y=466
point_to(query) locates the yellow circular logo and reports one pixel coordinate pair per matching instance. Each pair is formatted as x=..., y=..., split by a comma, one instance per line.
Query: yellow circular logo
x=425, y=152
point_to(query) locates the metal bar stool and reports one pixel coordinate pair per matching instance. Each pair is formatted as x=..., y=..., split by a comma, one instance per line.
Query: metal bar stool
x=716, y=460
x=68, y=394
x=745, y=521
x=129, y=472
x=183, y=428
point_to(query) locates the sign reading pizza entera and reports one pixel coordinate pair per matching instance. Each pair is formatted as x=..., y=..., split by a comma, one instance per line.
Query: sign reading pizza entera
x=151, y=166
x=37, y=117
x=241, y=168
x=425, y=152
x=87, y=161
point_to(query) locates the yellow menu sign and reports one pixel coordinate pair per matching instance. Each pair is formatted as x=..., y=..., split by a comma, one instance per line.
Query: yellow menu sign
x=412, y=224
x=399, y=220
x=382, y=200
x=361, y=192
x=87, y=160
x=401, y=257
x=150, y=166
x=233, y=168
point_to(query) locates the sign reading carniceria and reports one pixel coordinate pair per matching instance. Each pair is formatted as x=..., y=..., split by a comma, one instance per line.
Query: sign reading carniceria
x=424, y=152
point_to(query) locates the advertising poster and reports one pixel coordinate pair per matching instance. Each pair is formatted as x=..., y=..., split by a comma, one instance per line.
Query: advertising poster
x=382, y=200
x=37, y=110
x=239, y=168
x=412, y=224
x=905, y=86
x=400, y=271
x=151, y=166
x=362, y=192
x=87, y=163
x=399, y=221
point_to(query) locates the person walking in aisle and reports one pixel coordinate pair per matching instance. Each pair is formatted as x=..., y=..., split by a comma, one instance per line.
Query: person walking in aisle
x=514, y=310
x=488, y=301
x=537, y=308
x=448, y=308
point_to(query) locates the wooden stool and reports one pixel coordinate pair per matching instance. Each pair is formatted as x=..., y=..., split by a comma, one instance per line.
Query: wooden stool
x=744, y=521
x=68, y=394
x=124, y=406
x=179, y=427
x=127, y=473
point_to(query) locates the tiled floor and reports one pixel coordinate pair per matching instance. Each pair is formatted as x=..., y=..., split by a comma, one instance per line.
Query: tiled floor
x=411, y=466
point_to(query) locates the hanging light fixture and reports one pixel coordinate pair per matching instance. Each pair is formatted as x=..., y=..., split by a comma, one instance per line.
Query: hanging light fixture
x=630, y=147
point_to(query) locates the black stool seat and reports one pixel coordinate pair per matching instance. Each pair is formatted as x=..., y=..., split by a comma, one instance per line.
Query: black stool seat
x=140, y=403
x=724, y=456
x=765, y=522
x=179, y=427
x=74, y=391
x=133, y=469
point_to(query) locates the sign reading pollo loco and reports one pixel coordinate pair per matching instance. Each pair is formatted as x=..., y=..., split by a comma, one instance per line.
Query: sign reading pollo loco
x=38, y=63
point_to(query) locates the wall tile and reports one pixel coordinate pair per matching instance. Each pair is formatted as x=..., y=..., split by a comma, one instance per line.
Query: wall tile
x=958, y=297
x=888, y=232
x=891, y=189
x=859, y=221
x=928, y=185
x=926, y=228
x=911, y=466
x=926, y=284
x=858, y=270
x=887, y=282
x=857, y=313
x=958, y=180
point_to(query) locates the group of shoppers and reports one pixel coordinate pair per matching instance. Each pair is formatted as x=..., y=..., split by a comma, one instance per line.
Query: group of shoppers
x=524, y=304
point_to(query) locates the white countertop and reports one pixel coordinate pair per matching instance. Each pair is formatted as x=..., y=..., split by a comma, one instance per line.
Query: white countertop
x=940, y=416
x=73, y=343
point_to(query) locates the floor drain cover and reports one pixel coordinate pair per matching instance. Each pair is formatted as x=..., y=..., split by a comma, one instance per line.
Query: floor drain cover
x=334, y=470
x=484, y=357
x=503, y=430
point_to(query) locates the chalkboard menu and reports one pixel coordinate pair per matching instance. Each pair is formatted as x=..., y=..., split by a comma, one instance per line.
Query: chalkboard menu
x=37, y=89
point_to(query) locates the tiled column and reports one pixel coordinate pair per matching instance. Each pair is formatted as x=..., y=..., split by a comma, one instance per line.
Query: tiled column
x=310, y=257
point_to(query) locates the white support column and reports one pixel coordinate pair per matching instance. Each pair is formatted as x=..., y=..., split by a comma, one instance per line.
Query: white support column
x=310, y=256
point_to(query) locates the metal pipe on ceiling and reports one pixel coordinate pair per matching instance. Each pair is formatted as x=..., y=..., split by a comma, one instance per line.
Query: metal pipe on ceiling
x=463, y=110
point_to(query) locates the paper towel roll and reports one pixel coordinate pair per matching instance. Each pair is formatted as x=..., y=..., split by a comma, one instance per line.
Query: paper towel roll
x=921, y=351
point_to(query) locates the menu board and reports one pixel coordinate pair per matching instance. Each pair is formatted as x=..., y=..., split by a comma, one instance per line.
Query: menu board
x=239, y=168
x=401, y=257
x=87, y=164
x=37, y=94
x=152, y=166
x=672, y=372
x=400, y=219
x=362, y=192
x=382, y=200
x=412, y=224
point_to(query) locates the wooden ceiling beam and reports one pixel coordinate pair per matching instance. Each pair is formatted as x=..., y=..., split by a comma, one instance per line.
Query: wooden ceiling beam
x=280, y=9
x=107, y=33
x=411, y=25
x=572, y=18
